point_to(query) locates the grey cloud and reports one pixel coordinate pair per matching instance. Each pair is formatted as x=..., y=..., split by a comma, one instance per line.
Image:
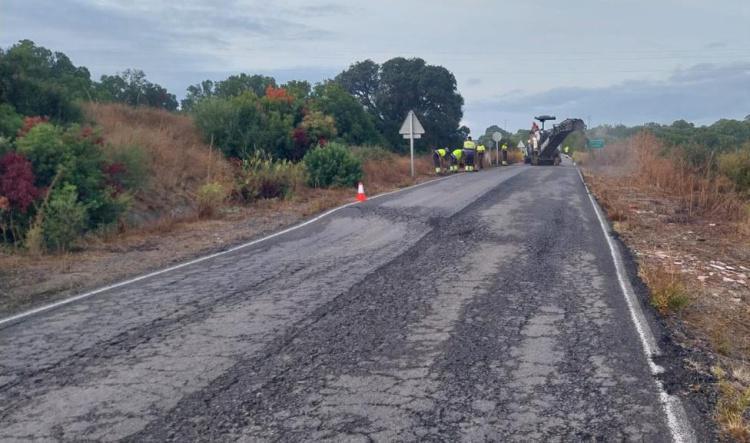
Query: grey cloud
x=325, y=9
x=703, y=93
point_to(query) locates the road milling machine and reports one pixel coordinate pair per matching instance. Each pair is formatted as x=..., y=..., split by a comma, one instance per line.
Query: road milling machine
x=544, y=145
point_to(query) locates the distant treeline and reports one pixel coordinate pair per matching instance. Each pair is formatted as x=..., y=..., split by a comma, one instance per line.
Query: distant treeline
x=699, y=143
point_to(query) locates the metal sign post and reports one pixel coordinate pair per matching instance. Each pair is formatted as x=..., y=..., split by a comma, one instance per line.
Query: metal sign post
x=412, y=129
x=497, y=136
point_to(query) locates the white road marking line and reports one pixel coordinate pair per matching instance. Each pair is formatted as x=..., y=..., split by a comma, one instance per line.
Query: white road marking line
x=677, y=420
x=75, y=298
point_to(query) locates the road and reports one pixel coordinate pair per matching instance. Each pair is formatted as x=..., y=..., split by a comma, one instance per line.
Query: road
x=480, y=307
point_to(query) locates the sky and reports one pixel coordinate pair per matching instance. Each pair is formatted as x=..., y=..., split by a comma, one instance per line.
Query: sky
x=607, y=61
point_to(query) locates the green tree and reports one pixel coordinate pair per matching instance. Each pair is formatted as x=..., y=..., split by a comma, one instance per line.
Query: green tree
x=486, y=138
x=132, y=88
x=245, y=124
x=237, y=85
x=390, y=91
x=407, y=84
x=10, y=121
x=196, y=93
x=362, y=80
x=355, y=125
x=36, y=81
x=300, y=90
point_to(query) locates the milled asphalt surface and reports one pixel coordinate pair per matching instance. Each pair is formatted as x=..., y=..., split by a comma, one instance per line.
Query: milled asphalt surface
x=481, y=307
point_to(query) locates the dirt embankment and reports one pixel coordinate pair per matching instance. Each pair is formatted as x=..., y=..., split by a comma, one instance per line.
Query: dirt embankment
x=163, y=226
x=691, y=238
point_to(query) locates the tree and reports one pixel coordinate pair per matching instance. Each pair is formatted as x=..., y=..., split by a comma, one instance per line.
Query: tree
x=195, y=93
x=355, y=125
x=36, y=81
x=411, y=84
x=243, y=125
x=300, y=90
x=486, y=138
x=132, y=88
x=361, y=80
x=390, y=91
x=236, y=85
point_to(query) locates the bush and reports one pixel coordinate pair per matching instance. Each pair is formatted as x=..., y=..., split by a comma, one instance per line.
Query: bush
x=242, y=125
x=77, y=154
x=332, y=165
x=17, y=191
x=210, y=198
x=260, y=177
x=668, y=293
x=64, y=219
x=10, y=121
x=736, y=167
x=44, y=146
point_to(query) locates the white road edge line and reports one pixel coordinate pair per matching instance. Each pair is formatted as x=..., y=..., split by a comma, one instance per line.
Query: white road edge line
x=677, y=419
x=22, y=315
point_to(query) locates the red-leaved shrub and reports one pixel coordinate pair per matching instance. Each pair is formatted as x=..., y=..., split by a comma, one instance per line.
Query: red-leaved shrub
x=17, y=181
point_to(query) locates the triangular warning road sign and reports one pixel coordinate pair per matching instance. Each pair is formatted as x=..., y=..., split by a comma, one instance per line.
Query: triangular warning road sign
x=411, y=122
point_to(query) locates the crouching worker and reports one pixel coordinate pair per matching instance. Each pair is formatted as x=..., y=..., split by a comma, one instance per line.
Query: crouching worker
x=456, y=156
x=469, y=155
x=440, y=159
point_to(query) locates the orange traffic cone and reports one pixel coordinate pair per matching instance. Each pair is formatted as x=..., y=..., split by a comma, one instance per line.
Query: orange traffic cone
x=361, y=192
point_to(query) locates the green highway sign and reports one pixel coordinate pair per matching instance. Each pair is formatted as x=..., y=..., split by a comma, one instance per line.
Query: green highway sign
x=596, y=143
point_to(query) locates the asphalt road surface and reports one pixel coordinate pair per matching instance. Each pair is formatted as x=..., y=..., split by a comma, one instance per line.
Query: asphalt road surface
x=484, y=306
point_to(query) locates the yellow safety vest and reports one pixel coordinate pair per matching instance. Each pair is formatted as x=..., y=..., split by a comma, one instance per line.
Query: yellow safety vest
x=458, y=154
x=481, y=148
x=469, y=144
x=441, y=152
x=505, y=147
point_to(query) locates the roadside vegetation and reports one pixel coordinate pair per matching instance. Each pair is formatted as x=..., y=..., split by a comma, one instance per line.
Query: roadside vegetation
x=685, y=213
x=81, y=158
x=104, y=179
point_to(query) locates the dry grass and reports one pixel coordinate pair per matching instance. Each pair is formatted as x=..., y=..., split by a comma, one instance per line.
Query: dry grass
x=640, y=163
x=682, y=222
x=733, y=404
x=178, y=161
x=394, y=171
x=668, y=291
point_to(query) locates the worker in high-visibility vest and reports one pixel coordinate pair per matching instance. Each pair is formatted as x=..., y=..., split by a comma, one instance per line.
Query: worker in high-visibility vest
x=567, y=150
x=469, y=150
x=440, y=159
x=505, y=154
x=456, y=156
x=480, y=156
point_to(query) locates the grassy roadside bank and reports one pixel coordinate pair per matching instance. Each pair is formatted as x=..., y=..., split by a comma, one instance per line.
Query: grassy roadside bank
x=189, y=200
x=27, y=280
x=690, y=235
